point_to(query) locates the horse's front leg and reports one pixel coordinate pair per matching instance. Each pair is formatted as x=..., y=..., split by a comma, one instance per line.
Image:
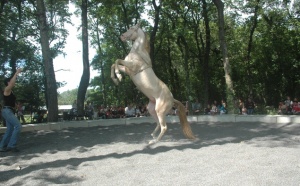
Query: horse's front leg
x=117, y=69
x=112, y=74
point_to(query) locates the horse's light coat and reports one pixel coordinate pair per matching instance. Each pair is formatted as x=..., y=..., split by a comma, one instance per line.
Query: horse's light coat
x=137, y=64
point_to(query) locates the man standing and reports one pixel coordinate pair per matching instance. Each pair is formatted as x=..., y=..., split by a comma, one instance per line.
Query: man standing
x=10, y=138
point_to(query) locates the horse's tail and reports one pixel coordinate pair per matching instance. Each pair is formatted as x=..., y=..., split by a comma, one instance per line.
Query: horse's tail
x=183, y=120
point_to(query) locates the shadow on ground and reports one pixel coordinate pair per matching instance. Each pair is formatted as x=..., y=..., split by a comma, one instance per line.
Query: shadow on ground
x=82, y=140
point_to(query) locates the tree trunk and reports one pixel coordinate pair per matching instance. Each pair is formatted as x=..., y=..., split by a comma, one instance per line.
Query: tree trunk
x=206, y=69
x=249, y=50
x=185, y=55
x=85, y=78
x=154, y=31
x=170, y=69
x=227, y=69
x=103, y=84
x=51, y=88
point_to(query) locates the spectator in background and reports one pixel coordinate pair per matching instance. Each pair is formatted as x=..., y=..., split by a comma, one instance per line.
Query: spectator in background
x=214, y=109
x=223, y=108
x=144, y=110
x=137, y=111
x=108, y=113
x=114, y=112
x=73, y=111
x=244, y=111
x=121, y=111
x=250, y=105
x=295, y=107
x=129, y=111
x=196, y=107
x=241, y=106
x=188, y=106
x=288, y=103
x=20, y=112
x=89, y=110
x=102, y=112
x=281, y=108
x=207, y=110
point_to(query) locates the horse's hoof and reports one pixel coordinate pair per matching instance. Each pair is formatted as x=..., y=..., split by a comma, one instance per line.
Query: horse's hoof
x=119, y=76
x=116, y=81
x=152, y=142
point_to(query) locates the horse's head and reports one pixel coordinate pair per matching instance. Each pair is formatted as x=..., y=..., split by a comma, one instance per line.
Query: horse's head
x=131, y=34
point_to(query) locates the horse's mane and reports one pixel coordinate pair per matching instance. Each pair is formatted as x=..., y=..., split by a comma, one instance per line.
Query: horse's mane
x=145, y=48
x=146, y=43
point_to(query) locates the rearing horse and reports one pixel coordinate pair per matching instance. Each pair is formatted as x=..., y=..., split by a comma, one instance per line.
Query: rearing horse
x=137, y=64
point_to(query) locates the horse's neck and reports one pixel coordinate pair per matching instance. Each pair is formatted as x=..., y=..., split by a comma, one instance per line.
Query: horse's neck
x=139, y=47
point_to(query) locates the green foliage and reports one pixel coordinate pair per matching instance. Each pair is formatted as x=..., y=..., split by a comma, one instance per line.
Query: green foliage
x=67, y=97
x=264, y=66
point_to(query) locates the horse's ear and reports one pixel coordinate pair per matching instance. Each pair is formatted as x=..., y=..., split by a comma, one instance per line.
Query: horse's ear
x=138, y=24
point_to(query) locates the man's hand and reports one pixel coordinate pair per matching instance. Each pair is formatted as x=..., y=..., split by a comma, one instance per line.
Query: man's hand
x=19, y=70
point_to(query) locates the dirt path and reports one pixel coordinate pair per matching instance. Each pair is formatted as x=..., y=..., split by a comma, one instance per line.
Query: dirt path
x=225, y=154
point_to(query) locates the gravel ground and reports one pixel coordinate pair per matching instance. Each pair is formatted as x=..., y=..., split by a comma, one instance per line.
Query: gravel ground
x=224, y=154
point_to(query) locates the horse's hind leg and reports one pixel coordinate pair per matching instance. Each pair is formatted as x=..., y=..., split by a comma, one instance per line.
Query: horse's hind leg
x=162, y=108
x=152, y=112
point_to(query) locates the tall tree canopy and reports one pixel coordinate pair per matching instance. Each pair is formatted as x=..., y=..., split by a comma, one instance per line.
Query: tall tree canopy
x=262, y=42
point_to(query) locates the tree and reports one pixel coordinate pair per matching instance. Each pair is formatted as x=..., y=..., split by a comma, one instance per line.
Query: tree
x=227, y=69
x=85, y=78
x=157, y=9
x=51, y=88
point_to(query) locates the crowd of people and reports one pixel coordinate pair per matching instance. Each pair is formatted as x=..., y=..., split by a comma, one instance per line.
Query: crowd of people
x=109, y=112
x=195, y=108
x=113, y=111
x=246, y=108
x=289, y=106
x=192, y=108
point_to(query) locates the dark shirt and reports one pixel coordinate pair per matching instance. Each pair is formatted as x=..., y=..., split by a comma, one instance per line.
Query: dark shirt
x=9, y=100
x=250, y=105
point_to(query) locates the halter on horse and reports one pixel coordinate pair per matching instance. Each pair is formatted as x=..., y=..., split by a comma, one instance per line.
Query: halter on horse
x=137, y=64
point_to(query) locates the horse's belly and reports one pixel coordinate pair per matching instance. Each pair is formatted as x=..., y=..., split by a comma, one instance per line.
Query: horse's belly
x=150, y=85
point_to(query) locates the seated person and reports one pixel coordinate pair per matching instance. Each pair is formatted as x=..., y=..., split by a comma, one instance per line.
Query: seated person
x=196, y=107
x=137, y=112
x=295, y=107
x=89, y=110
x=281, y=108
x=114, y=112
x=102, y=112
x=214, y=109
x=207, y=109
x=244, y=111
x=223, y=109
x=121, y=112
x=129, y=111
x=144, y=111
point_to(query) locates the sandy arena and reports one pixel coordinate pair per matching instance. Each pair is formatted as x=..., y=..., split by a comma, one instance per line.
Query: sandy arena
x=241, y=153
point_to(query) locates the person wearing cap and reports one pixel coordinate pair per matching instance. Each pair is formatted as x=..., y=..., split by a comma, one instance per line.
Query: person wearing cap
x=13, y=125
